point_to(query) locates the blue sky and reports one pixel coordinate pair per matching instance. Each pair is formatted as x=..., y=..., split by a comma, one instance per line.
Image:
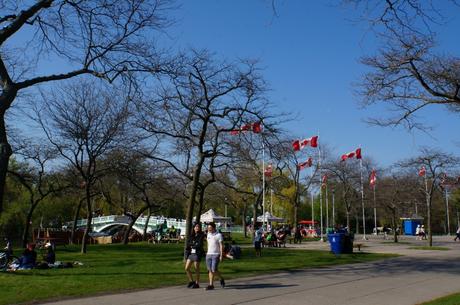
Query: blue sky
x=310, y=57
x=310, y=54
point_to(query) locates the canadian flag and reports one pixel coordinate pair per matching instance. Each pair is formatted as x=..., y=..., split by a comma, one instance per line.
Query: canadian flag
x=422, y=171
x=373, y=178
x=324, y=181
x=300, y=144
x=356, y=154
x=254, y=127
x=268, y=170
x=305, y=164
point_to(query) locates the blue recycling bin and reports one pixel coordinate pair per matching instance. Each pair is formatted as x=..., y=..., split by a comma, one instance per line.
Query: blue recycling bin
x=336, y=241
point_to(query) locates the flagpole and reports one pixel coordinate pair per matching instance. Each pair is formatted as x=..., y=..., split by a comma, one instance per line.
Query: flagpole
x=447, y=213
x=271, y=199
x=312, y=200
x=320, y=193
x=312, y=211
x=333, y=208
x=427, y=198
x=375, y=212
x=327, y=209
x=362, y=198
x=263, y=186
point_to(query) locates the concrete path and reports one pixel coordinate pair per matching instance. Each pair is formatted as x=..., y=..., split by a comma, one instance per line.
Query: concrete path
x=418, y=276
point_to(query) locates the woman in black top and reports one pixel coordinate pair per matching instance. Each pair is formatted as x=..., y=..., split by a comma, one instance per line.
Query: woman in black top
x=194, y=253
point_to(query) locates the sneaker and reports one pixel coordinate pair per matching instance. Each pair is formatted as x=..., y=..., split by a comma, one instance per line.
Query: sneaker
x=222, y=283
x=190, y=284
x=210, y=287
x=196, y=285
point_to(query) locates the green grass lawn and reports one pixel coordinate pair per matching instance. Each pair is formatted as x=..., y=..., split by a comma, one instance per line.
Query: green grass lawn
x=453, y=299
x=112, y=268
x=429, y=248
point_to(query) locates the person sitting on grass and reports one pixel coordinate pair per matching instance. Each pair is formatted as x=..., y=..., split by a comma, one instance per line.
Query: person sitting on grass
x=235, y=250
x=28, y=259
x=172, y=232
x=50, y=256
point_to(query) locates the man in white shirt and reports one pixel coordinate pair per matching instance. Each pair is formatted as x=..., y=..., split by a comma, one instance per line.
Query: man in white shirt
x=214, y=255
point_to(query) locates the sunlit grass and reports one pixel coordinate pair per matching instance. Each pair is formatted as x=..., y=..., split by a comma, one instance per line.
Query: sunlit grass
x=112, y=268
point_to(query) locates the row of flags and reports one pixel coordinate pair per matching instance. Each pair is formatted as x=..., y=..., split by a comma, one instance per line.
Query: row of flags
x=299, y=144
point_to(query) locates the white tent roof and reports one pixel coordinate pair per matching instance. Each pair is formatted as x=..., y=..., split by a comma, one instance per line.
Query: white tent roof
x=270, y=218
x=212, y=216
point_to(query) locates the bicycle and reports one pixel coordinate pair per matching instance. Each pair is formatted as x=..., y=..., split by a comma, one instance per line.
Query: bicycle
x=6, y=257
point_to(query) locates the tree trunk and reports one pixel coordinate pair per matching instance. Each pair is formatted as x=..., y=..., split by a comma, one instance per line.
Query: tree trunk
x=348, y=219
x=5, y=153
x=296, y=211
x=134, y=218
x=357, y=224
x=146, y=226
x=200, y=206
x=191, y=200
x=128, y=230
x=89, y=219
x=25, y=234
x=394, y=221
x=75, y=220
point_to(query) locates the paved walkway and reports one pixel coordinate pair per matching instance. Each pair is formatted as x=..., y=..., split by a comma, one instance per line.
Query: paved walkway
x=418, y=276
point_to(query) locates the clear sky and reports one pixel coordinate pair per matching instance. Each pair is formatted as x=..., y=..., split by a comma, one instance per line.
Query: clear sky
x=310, y=53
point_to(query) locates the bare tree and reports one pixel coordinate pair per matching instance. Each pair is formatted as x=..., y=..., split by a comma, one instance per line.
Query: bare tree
x=37, y=178
x=90, y=124
x=407, y=74
x=435, y=163
x=108, y=40
x=292, y=170
x=396, y=193
x=196, y=109
x=147, y=184
x=409, y=77
x=347, y=178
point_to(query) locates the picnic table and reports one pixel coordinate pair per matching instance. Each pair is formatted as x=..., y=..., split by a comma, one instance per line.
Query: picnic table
x=42, y=241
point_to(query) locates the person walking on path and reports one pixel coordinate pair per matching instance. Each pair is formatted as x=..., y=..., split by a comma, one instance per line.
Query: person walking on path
x=423, y=233
x=194, y=253
x=457, y=234
x=417, y=233
x=214, y=255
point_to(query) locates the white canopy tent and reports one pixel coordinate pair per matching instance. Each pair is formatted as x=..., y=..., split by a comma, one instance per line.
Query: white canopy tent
x=212, y=216
x=269, y=218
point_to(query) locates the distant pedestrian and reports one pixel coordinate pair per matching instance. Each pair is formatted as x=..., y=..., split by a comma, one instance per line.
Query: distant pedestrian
x=457, y=234
x=258, y=239
x=194, y=253
x=417, y=233
x=422, y=232
x=214, y=255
